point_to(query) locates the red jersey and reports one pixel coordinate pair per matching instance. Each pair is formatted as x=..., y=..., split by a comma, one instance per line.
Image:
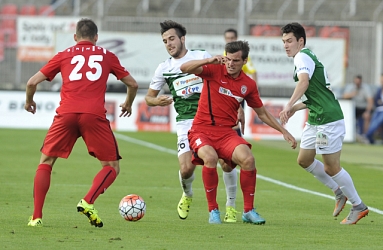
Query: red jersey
x=85, y=69
x=221, y=96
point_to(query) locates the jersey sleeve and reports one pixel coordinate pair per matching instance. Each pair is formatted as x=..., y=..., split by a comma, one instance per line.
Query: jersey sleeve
x=253, y=99
x=116, y=68
x=53, y=67
x=158, y=80
x=304, y=64
x=208, y=71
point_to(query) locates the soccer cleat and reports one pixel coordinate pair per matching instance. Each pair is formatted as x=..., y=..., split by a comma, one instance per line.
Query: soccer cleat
x=253, y=217
x=231, y=215
x=214, y=217
x=354, y=216
x=35, y=223
x=184, y=206
x=340, y=202
x=88, y=209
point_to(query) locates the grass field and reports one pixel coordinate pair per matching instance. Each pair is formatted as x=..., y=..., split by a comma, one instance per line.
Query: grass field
x=297, y=218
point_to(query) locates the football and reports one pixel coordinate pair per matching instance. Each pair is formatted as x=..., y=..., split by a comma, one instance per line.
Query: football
x=132, y=207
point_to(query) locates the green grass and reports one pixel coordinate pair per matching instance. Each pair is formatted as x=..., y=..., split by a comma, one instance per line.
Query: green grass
x=295, y=220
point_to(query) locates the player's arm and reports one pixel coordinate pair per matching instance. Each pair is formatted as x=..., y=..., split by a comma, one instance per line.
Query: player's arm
x=300, y=89
x=32, y=83
x=152, y=98
x=132, y=87
x=195, y=66
x=269, y=119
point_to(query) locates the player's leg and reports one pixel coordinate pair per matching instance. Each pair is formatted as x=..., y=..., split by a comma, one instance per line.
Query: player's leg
x=186, y=177
x=243, y=156
x=101, y=143
x=40, y=189
x=230, y=178
x=306, y=159
x=344, y=181
x=58, y=142
x=203, y=153
x=186, y=171
x=210, y=180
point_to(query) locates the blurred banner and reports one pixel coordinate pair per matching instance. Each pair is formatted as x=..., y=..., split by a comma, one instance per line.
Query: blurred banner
x=141, y=53
x=35, y=36
x=145, y=118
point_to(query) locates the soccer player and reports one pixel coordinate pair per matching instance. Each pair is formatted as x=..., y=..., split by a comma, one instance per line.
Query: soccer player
x=185, y=89
x=325, y=129
x=85, y=68
x=231, y=35
x=212, y=137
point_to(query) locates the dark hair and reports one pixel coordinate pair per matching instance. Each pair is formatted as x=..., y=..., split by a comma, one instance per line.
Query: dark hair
x=297, y=30
x=86, y=28
x=236, y=46
x=233, y=31
x=359, y=77
x=169, y=24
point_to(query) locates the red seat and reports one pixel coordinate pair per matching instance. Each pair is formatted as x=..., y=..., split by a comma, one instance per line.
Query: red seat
x=46, y=10
x=8, y=17
x=28, y=10
x=265, y=30
x=310, y=31
x=9, y=9
x=8, y=24
x=2, y=37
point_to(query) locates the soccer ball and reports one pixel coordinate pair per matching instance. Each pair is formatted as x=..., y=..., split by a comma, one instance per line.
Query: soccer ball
x=132, y=207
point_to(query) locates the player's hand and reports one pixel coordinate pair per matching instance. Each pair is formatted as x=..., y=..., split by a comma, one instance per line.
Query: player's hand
x=290, y=139
x=30, y=107
x=217, y=59
x=285, y=114
x=126, y=110
x=164, y=100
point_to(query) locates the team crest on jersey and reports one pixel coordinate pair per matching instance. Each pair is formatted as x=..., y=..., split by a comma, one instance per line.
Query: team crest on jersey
x=243, y=89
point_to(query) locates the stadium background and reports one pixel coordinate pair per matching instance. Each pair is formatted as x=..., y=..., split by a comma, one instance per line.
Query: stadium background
x=357, y=21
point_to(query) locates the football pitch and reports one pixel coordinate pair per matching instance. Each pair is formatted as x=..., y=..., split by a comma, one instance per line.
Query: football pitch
x=297, y=208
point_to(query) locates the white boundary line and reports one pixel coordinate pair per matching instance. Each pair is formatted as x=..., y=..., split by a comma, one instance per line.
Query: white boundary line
x=174, y=152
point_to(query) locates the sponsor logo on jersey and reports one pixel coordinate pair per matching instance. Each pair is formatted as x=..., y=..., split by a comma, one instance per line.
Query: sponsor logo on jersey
x=227, y=92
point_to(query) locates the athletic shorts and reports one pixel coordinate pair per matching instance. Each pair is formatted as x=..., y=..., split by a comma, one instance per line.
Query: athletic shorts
x=183, y=128
x=223, y=140
x=94, y=130
x=325, y=139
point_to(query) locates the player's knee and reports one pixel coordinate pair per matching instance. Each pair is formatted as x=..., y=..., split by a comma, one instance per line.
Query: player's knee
x=186, y=169
x=303, y=162
x=248, y=163
x=210, y=160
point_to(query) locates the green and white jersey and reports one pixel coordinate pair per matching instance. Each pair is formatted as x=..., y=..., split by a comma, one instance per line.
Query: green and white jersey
x=185, y=88
x=319, y=99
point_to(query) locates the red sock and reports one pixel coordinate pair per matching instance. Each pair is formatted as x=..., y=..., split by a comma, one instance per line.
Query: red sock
x=210, y=182
x=248, y=180
x=101, y=182
x=40, y=188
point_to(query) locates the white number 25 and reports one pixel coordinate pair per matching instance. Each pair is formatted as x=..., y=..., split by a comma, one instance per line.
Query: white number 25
x=92, y=63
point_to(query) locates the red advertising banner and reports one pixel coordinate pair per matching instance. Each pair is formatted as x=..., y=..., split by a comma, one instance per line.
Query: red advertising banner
x=153, y=118
x=110, y=107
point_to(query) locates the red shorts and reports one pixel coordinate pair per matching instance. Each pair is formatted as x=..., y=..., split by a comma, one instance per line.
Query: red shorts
x=223, y=140
x=94, y=130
